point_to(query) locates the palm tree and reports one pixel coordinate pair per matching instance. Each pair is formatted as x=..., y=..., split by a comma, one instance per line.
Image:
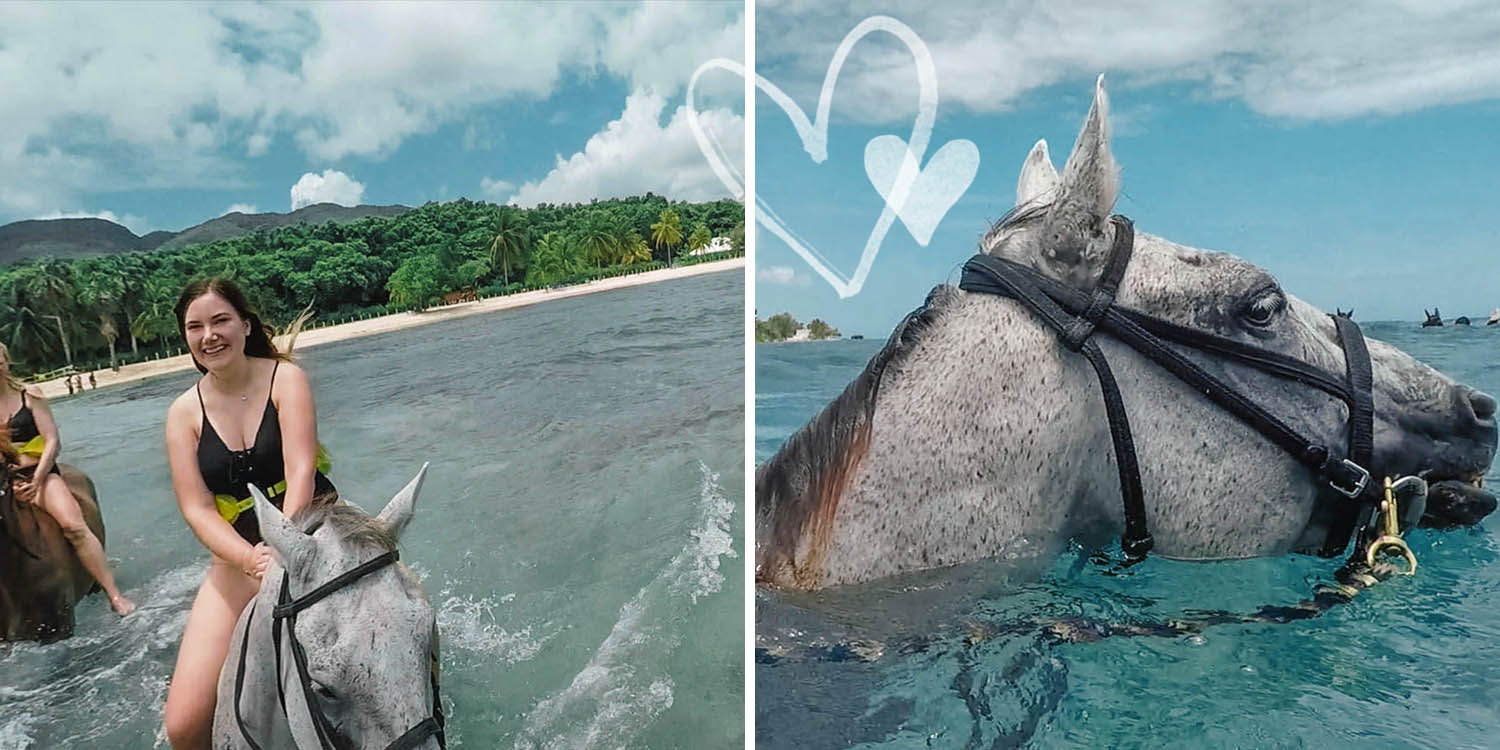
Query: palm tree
x=102, y=292
x=156, y=318
x=634, y=249
x=554, y=259
x=49, y=287
x=667, y=231
x=511, y=239
x=599, y=241
x=700, y=237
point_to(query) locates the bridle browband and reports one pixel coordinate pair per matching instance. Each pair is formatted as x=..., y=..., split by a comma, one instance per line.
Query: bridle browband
x=1075, y=316
x=285, y=611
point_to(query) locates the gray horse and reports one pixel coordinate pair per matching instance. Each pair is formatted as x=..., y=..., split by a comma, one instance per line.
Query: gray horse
x=974, y=434
x=371, y=646
x=41, y=577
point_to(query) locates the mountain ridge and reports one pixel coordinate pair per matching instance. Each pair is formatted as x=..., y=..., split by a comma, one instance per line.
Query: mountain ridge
x=30, y=239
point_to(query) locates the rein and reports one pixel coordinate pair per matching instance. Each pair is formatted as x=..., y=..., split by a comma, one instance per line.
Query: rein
x=1076, y=315
x=285, y=611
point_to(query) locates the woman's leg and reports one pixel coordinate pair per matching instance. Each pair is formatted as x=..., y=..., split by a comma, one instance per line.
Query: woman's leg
x=205, y=642
x=59, y=503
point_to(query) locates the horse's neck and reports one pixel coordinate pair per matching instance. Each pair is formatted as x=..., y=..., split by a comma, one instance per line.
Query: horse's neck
x=983, y=442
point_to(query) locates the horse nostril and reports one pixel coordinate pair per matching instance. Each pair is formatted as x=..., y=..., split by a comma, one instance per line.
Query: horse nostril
x=1482, y=404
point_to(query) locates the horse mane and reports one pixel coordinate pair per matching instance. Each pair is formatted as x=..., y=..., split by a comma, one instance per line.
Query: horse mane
x=802, y=483
x=1018, y=216
x=354, y=525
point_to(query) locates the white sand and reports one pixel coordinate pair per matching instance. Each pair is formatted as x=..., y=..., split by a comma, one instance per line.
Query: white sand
x=398, y=321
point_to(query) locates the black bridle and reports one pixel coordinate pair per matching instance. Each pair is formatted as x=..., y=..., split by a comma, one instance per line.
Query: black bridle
x=286, y=612
x=1075, y=315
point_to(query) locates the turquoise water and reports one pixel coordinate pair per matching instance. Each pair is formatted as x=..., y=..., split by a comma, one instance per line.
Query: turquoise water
x=1413, y=663
x=580, y=531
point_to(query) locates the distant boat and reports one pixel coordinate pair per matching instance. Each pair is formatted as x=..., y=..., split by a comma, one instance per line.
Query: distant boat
x=858, y=337
x=1434, y=318
x=1494, y=317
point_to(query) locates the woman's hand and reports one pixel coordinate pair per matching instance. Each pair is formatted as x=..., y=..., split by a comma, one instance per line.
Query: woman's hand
x=256, y=562
x=25, y=491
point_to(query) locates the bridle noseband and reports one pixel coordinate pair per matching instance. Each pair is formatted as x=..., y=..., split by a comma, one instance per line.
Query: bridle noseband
x=1076, y=315
x=286, y=612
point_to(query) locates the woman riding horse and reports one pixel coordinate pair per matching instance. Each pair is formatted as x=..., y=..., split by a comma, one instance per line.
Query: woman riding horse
x=34, y=434
x=249, y=420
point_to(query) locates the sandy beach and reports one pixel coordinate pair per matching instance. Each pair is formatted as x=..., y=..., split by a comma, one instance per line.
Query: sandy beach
x=385, y=324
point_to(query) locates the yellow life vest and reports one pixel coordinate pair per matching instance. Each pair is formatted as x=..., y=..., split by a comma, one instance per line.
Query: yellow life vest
x=230, y=507
x=32, y=447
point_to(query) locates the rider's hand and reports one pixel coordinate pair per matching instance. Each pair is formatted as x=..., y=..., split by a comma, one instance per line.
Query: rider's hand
x=25, y=491
x=257, y=561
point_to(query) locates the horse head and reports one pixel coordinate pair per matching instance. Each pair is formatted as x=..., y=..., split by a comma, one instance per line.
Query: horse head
x=975, y=433
x=370, y=643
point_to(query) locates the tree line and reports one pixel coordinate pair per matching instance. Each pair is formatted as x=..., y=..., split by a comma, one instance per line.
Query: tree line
x=87, y=312
x=782, y=326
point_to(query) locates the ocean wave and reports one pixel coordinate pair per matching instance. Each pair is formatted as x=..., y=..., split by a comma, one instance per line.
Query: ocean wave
x=625, y=687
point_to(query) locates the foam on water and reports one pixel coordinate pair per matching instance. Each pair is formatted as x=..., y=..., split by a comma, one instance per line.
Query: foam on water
x=468, y=623
x=624, y=688
x=111, y=662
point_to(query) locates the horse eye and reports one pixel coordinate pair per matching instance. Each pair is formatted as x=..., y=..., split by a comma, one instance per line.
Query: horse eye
x=1262, y=310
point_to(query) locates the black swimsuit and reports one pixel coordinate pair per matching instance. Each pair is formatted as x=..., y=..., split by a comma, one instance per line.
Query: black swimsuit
x=23, y=430
x=227, y=472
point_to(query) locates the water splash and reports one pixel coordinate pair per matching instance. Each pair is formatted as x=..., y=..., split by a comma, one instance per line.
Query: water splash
x=469, y=623
x=50, y=694
x=625, y=687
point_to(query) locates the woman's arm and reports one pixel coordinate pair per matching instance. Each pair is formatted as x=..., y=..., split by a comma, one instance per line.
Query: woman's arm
x=41, y=413
x=193, y=496
x=299, y=435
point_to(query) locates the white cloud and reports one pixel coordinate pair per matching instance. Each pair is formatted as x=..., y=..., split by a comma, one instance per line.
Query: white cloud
x=244, y=208
x=132, y=222
x=1284, y=58
x=496, y=189
x=118, y=97
x=636, y=154
x=332, y=186
x=782, y=275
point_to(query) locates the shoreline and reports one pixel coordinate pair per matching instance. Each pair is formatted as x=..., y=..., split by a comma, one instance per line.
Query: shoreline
x=55, y=388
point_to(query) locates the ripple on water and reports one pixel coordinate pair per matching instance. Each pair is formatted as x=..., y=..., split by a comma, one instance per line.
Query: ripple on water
x=625, y=687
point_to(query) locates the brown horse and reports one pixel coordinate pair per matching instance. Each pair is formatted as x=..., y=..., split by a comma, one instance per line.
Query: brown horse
x=40, y=576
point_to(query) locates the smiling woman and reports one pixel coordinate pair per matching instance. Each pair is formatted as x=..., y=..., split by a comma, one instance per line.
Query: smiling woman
x=277, y=433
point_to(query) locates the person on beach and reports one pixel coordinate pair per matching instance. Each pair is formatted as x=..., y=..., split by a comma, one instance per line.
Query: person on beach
x=33, y=431
x=70, y=386
x=249, y=419
x=93, y=384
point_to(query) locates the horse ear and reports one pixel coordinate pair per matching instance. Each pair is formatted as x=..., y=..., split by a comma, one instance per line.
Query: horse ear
x=1038, y=181
x=1076, y=240
x=288, y=541
x=398, y=511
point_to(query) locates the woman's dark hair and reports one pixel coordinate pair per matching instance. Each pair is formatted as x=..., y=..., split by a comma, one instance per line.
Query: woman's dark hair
x=257, y=344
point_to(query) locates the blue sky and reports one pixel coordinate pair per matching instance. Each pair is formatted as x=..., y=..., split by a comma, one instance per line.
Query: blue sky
x=1351, y=156
x=164, y=116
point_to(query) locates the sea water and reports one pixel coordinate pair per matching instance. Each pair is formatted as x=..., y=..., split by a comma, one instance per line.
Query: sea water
x=580, y=532
x=956, y=658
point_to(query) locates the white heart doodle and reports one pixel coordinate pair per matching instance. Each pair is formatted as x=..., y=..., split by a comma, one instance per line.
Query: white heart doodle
x=938, y=186
x=921, y=218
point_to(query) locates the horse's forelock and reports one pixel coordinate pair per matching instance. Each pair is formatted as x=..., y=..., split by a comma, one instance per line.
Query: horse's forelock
x=351, y=523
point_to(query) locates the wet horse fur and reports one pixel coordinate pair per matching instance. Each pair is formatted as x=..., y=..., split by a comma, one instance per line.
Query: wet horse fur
x=974, y=434
x=37, y=594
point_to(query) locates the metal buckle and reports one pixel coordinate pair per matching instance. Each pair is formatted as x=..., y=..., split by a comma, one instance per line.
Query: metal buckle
x=1390, y=541
x=1359, y=484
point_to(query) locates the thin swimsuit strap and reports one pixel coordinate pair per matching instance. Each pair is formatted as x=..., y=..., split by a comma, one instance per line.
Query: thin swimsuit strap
x=203, y=410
